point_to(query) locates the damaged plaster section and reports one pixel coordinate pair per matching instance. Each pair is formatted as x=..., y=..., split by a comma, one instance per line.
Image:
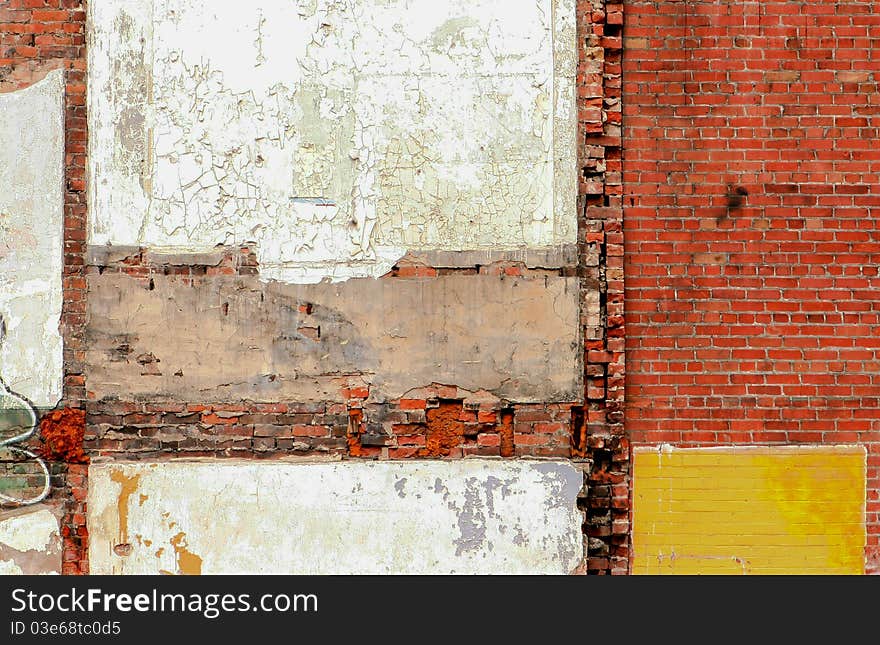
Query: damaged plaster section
x=30, y=542
x=426, y=517
x=334, y=135
x=31, y=238
x=233, y=338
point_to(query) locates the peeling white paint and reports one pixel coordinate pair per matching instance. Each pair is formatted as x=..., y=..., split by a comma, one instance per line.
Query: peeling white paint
x=418, y=517
x=9, y=568
x=29, y=532
x=333, y=134
x=30, y=543
x=31, y=234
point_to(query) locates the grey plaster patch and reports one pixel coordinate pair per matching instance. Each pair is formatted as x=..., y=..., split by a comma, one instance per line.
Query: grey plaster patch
x=565, y=483
x=471, y=520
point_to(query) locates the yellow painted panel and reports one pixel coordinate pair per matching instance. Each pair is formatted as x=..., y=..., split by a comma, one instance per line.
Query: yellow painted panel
x=749, y=510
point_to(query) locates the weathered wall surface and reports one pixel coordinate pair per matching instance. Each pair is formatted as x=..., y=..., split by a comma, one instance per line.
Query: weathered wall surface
x=469, y=516
x=456, y=134
x=233, y=338
x=239, y=156
x=749, y=510
x=30, y=542
x=31, y=239
x=333, y=135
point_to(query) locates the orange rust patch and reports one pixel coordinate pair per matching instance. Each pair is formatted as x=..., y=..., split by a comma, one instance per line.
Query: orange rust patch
x=355, y=416
x=62, y=432
x=578, y=433
x=445, y=429
x=505, y=430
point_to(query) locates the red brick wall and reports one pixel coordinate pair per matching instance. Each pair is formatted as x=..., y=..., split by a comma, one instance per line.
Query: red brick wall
x=37, y=36
x=752, y=202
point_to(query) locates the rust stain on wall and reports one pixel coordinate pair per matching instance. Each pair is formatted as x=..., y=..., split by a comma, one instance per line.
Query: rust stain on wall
x=62, y=432
x=128, y=486
x=355, y=428
x=445, y=429
x=505, y=430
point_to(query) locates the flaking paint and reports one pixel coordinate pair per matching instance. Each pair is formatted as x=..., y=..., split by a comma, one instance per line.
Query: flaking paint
x=334, y=135
x=30, y=541
x=461, y=516
x=31, y=215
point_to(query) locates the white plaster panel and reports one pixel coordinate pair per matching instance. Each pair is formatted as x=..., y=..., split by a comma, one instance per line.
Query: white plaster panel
x=31, y=239
x=30, y=542
x=334, y=134
x=419, y=517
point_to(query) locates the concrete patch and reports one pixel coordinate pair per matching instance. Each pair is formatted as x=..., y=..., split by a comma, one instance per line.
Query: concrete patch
x=230, y=338
x=424, y=517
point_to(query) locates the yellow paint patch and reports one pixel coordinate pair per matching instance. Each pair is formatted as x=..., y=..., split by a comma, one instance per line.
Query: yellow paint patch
x=188, y=564
x=749, y=510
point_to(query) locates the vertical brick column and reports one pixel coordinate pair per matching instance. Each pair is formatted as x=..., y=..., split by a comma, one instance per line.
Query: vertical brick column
x=599, y=432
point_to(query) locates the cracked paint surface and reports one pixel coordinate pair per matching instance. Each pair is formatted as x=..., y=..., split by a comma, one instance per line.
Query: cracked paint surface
x=31, y=215
x=333, y=134
x=464, y=517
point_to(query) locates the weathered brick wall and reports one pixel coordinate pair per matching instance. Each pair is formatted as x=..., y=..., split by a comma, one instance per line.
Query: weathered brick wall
x=751, y=199
x=439, y=422
x=37, y=36
x=599, y=430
